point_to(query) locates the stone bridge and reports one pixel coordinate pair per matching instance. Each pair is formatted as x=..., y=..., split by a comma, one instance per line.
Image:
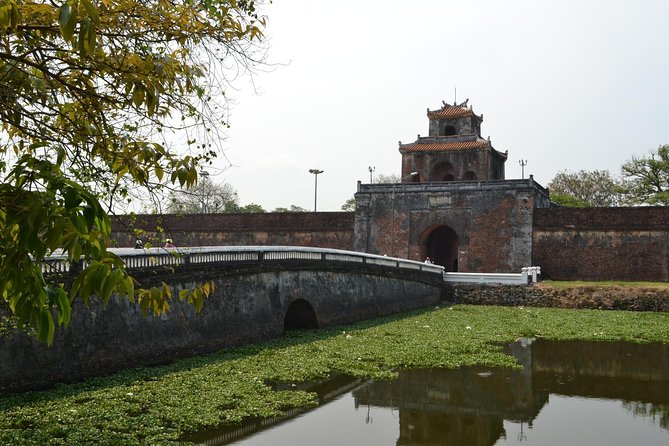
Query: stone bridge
x=259, y=293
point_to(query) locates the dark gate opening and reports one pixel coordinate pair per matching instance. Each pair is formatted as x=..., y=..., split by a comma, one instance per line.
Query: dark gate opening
x=442, y=248
x=300, y=315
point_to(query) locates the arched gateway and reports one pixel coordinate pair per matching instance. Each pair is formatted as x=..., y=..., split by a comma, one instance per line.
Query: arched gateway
x=441, y=246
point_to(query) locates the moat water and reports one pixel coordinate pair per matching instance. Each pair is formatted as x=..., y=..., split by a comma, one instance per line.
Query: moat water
x=567, y=393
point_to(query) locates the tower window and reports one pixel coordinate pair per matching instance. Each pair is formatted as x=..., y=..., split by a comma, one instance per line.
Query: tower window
x=442, y=172
x=449, y=130
x=470, y=176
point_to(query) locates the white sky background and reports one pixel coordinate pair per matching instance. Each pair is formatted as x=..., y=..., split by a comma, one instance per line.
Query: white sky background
x=564, y=84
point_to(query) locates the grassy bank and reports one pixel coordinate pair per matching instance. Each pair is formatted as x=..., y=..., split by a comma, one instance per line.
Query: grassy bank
x=159, y=405
x=602, y=284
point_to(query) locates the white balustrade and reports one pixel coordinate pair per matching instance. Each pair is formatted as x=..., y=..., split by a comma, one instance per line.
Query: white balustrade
x=156, y=257
x=527, y=275
x=344, y=258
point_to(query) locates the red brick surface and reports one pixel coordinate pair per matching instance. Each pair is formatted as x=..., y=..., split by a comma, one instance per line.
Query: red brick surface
x=602, y=243
x=318, y=229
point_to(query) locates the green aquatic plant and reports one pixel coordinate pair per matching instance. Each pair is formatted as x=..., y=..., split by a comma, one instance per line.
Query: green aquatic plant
x=161, y=405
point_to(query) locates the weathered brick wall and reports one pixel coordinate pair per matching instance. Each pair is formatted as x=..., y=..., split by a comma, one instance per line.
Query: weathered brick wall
x=492, y=221
x=317, y=229
x=499, y=231
x=602, y=243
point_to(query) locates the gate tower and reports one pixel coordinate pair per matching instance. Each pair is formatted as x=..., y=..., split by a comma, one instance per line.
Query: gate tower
x=453, y=203
x=454, y=149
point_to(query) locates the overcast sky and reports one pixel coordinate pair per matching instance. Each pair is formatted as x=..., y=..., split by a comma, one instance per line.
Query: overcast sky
x=563, y=84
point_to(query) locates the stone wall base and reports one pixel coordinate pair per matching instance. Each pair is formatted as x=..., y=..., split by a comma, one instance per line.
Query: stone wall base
x=582, y=297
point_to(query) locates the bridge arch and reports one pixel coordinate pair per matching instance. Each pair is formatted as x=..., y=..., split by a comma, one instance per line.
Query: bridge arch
x=300, y=315
x=440, y=244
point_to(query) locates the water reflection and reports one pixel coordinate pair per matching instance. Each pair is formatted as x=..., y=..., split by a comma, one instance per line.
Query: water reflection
x=566, y=393
x=470, y=406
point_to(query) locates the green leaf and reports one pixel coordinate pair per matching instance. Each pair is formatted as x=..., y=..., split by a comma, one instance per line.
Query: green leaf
x=108, y=285
x=45, y=326
x=14, y=14
x=92, y=11
x=83, y=42
x=67, y=21
x=91, y=39
x=150, y=102
x=138, y=94
x=4, y=18
x=63, y=305
x=126, y=287
x=54, y=235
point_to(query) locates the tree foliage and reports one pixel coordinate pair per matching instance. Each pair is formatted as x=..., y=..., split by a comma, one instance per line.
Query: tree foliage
x=387, y=178
x=596, y=188
x=94, y=97
x=349, y=205
x=206, y=197
x=569, y=201
x=648, y=178
x=251, y=208
x=292, y=208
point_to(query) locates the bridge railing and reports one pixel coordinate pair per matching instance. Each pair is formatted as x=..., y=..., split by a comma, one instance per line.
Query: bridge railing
x=137, y=259
x=527, y=275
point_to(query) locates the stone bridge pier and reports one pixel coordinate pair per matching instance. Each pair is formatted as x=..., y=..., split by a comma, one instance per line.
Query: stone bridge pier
x=259, y=293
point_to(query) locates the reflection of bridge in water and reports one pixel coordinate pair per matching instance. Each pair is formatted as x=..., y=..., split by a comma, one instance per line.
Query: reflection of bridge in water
x=469, y=405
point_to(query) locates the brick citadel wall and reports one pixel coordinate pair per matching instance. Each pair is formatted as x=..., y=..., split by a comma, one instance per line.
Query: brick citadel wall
x=317, y=229
x=568, y=243
x=602, y=243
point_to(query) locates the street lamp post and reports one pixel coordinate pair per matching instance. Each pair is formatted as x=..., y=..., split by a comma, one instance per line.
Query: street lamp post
x=522, y=163
x=316, y=172
x=205, y=176
x=371, y=170
x=392, y=214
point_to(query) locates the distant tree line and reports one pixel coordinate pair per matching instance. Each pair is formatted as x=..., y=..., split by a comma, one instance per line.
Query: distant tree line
x=208, y=197
x=642, y=181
